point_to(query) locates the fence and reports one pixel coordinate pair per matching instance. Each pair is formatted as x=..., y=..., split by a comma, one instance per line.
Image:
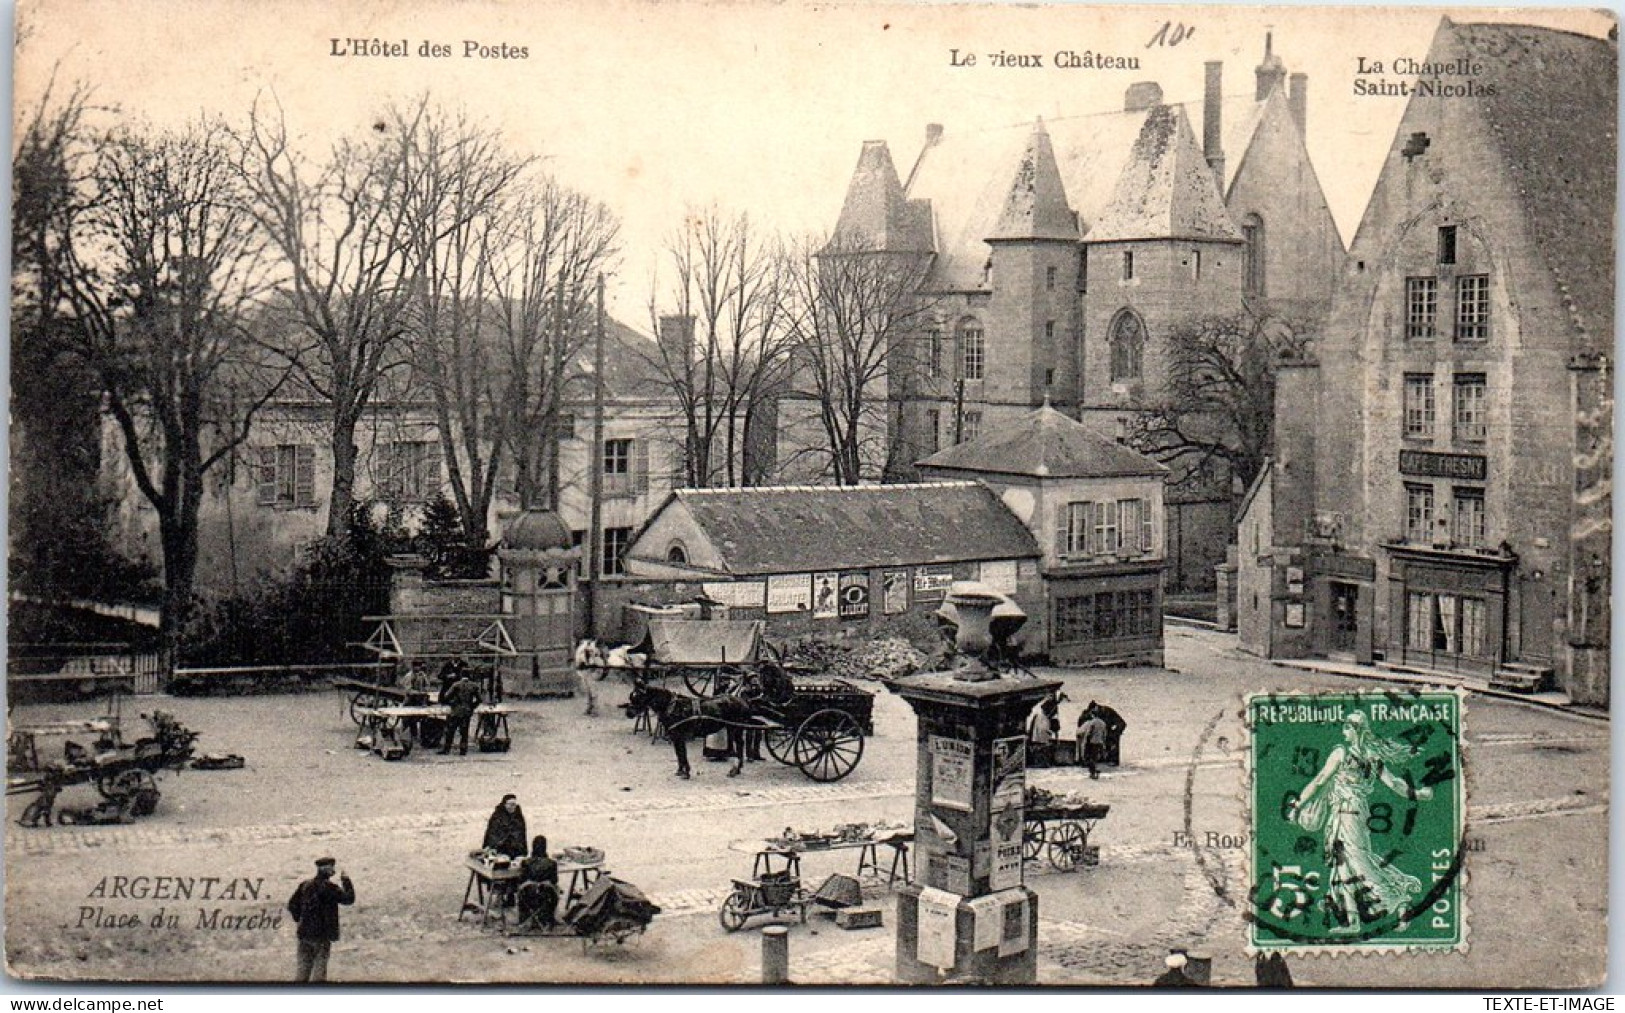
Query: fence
x=36, y=672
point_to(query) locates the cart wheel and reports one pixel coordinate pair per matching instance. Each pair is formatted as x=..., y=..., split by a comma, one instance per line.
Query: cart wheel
x=781, y=744
x=734, y=912
x=357, y=703
x=828, y=745
x=1066, y=847
x=700, y=681
x=1032, y=840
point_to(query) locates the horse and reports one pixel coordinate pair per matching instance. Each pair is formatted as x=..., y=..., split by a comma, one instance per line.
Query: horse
x=686, y=717
x=591, y=656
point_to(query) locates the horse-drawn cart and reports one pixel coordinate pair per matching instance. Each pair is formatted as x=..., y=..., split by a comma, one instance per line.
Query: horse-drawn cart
x=125, y=776
x=820, y=729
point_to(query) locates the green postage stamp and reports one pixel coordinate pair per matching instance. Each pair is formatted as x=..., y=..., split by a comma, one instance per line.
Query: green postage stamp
x=1358, y=805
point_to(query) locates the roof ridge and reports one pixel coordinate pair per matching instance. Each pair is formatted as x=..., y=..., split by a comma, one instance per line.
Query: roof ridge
x=880, y=486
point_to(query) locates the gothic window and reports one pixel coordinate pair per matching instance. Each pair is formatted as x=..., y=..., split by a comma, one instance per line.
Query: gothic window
x=1252, y=234
x=1128, y=343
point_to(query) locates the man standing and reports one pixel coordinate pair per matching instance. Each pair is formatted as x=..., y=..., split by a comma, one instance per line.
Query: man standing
x=462, y=698
x=1091, y=739
x=315, y=909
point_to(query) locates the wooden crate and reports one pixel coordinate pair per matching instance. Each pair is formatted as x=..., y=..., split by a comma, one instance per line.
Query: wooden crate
x=858, y=918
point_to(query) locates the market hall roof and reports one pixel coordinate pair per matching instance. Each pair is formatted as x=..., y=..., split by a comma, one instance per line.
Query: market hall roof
x=797, y=529
x=1045, y=444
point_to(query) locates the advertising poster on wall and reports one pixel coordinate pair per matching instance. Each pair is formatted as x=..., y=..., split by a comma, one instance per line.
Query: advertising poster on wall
x=894, y=592
x=739, y=594
x=999, y=574
x=789, y=592
x=951, y=762
x=825, y=586
x=854, y=596
x=1008, y=826
x=931, y=583
x=1009, y=772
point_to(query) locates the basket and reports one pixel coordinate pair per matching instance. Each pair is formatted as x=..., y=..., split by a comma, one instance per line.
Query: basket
x=839, y=891
x=777, y=893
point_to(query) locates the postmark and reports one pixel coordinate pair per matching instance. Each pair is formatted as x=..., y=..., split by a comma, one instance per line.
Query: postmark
x=1357, y=805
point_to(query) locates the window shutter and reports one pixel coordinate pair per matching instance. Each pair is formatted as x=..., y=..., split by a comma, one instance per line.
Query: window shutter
x=1128, y=526
x=1063, y=520
x=1147, y=532
x=304, y=475
x=267, y=476
x=640, y=465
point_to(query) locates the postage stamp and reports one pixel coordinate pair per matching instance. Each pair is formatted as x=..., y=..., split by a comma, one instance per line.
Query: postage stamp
x=1358, y=809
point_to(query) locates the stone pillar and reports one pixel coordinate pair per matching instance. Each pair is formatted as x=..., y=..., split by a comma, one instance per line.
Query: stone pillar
x=969, y=915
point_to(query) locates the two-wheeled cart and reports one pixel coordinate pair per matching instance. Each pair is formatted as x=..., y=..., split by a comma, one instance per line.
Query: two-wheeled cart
x=125, y=776
x=774, y=888
x=1061, y=833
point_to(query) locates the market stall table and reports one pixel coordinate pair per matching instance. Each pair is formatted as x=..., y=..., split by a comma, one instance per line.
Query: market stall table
x=392, y=732
x=867, y=848
x=490, y=886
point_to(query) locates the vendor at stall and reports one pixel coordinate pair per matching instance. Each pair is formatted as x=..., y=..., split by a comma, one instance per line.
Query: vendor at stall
x=538, y=891
x=505, y=830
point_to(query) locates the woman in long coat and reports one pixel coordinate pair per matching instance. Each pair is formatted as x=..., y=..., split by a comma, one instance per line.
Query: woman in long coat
x=505, y=830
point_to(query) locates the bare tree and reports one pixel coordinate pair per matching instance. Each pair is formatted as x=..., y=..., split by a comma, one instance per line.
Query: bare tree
x=848, y=310
x=163, y=269
x=1217, y=404
x=553, y=242
x=340, y=229
x=459, y=178
x=727, y=297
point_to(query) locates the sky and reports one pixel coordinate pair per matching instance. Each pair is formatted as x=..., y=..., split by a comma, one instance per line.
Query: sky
x=657, y=108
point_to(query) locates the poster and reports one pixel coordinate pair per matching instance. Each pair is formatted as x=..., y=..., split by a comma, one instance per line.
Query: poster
x=894, y=592
x=854, y=596
x=789, y=592
x=1013, y=928
x=1009, y=772
x=999, y=574
x=931, y=583
x=987, y=921
x=1009, y=827
x=1294, y=614
x=955, y=873
x=938, y=915
x=952, y=766
x=825, y=595
x=739, y=594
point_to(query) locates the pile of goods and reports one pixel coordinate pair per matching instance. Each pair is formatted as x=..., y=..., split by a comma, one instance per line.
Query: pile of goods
x=581, y=855
x=844, y=833
x=491, y=857
x=884, y=659
x=1039, y=798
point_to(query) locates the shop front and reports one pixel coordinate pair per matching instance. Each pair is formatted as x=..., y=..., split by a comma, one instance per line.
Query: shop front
x=1447, y=610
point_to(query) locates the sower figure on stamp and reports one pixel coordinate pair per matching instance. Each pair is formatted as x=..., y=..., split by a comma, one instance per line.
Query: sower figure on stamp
x=315, y=909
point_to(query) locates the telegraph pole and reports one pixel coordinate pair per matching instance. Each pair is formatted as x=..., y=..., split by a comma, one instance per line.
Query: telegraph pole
x=595, y=470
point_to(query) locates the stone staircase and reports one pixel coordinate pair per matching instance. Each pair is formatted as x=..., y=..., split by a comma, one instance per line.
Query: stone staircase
x=1521, y=677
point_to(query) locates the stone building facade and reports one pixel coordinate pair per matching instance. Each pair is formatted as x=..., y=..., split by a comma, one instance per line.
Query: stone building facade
x=1449, y=451
x=1065, y=250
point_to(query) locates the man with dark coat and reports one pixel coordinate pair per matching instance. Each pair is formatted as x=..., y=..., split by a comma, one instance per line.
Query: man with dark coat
x=315, y=909
x=1113, y=753
x=462, y=698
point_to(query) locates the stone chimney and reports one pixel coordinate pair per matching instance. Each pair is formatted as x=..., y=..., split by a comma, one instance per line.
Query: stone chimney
x=1271, y=71
x=676, y=339
x=1298, y=99
x=1142, y=95
x=1212, y=122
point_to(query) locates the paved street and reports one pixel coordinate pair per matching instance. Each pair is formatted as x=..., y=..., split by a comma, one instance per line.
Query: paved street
x=1538, y=796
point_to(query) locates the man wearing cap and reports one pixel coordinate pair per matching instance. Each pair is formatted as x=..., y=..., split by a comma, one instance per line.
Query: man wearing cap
x=315, y=909
x=463, y=697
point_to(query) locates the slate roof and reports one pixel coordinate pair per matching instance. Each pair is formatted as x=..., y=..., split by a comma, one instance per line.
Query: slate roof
x=799, y=529
x=1553, y=116
x=876, y=214
x=1167, y=189
x=1036, y=207
x=1045, y=444
x=967, y=176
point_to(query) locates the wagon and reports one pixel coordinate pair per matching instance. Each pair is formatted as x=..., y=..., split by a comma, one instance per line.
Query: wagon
x=710, y=656
x=820, y=729
x=1062, y=831
x=124, y=775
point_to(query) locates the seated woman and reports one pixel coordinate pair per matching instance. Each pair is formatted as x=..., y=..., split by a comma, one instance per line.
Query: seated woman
x=538, y=891
x=505, y=830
